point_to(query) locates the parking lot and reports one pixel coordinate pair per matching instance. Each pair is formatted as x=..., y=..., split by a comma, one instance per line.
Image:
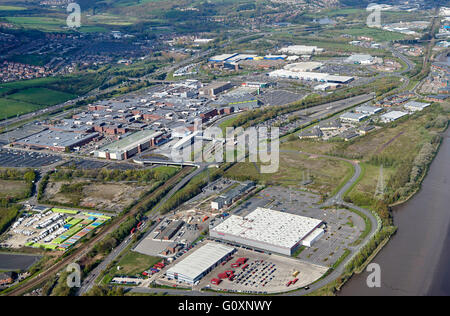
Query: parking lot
x=21, y=132
x=19, y=159
x=279, y=97
x=263, y=273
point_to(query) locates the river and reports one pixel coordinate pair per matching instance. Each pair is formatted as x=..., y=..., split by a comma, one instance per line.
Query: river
x=416, y=260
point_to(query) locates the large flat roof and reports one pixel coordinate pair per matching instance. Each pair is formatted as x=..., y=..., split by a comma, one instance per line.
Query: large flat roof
x=131, y=141
x=393, y=115
x=269, y=226
x=201, y=260
x=51, y=138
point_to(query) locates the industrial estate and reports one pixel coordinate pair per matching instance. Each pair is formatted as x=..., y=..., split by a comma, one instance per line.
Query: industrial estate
x=88, y=173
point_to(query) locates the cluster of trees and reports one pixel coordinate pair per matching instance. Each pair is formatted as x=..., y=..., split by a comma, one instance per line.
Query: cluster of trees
x=15, y=174
x=8, y=213
x=112, y=82
x=135, y=72
x=386, y=161
x=410, y=172
x=42, y=185
x=193, y=188
x=107, y=95
x=103, y=290
x=115, y=175
x=441, y=121
x=367, y=250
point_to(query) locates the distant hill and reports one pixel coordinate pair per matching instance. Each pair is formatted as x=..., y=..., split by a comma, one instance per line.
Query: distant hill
x=364, y=3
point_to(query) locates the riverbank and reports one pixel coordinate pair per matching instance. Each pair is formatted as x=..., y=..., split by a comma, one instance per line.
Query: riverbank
x=415, y=261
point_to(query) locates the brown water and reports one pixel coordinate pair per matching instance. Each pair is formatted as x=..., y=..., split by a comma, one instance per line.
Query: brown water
x=417, y=259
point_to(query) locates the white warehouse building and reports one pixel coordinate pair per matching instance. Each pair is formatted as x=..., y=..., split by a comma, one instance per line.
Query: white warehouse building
x=310, y=76
x=269, y=230
x=301, y=50
x=198, y=264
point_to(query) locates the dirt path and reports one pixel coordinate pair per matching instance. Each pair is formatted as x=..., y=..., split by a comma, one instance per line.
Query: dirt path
x=389, y=142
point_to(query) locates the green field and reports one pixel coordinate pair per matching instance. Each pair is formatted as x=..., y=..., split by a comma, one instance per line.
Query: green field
x=26, y=96
x=135, y=263
x=327, y=174
x=46, y=24
x=10, y=108
x=41, y=96
x=11, y=8
x=14, y=188
x=24, y=84
x=376, y=34
x=131, y=264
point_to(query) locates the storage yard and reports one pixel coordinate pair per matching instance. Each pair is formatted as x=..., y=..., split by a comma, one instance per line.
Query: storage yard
x=53, y=229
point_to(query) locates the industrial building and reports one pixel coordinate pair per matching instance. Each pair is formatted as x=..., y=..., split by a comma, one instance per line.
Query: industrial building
x=360, y=59
x=310, y=76
x=353, y=117
x=56, y=140
x=198, y=264
x=222, y=58
x=304, y=66
x=170, y=230
x=215, y=88
x=368, y=109
x=269, y=230
x=301, y=50
x=131, y=145
x=416, y=106
x=392, y=116
x=230, y=196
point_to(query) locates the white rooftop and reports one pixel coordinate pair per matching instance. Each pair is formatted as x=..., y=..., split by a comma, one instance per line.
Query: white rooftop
x=269, y=226
x=201, y=260
x=393, y=115
x=417, y=105
x=303, y=66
